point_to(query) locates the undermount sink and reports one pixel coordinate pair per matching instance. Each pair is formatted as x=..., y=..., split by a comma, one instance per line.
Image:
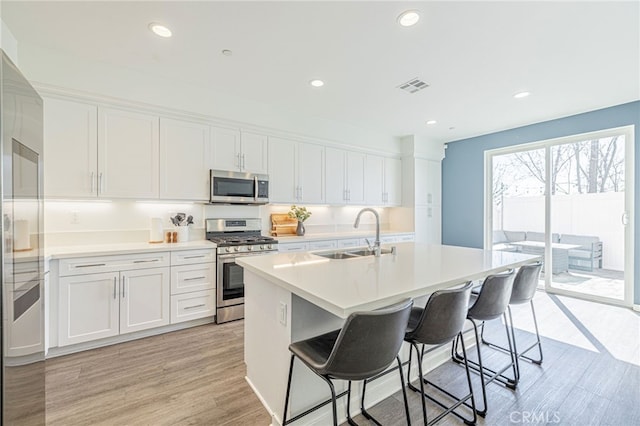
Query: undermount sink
x=341, y=254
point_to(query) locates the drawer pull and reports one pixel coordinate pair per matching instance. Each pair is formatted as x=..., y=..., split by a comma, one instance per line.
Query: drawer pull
x=114, y=288
x=194, y=257
x=194, y=278
x=146, y=261
x=91, y=265
x=195, y=306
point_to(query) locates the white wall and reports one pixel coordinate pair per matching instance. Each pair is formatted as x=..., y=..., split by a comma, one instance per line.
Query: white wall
x=41, y=65
x=580, y=214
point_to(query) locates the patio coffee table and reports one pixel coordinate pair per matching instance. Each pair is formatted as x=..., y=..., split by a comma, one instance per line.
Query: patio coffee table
x=559, y=253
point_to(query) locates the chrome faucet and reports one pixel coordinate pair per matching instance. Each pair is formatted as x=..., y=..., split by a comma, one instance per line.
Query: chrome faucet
x=376, y=244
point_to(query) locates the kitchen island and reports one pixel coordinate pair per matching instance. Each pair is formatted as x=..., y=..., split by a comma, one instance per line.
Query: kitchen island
x=294, y=296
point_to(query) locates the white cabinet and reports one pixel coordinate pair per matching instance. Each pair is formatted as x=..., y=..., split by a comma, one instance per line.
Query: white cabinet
x=70, y=148
x=193, y=281
x=323, y=245
x=144, y=299
x=239, y=151
x=292, y=247
x=392, y=181
x=89, y=307
x=295, y=172
x=93, y=151
x=427, y=209
x=185, y=160
x=383, y=177
x=344, y=182
x=254, y=152
x=105, y=296
x=128, y=154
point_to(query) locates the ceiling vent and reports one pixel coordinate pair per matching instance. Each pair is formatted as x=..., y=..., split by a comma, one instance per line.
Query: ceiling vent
x=414, y=85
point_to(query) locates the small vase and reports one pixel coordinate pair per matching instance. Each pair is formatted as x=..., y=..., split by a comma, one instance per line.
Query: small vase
x=300, y=229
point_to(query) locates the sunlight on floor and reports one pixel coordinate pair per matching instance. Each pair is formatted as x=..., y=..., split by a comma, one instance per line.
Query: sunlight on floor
x=592, y=326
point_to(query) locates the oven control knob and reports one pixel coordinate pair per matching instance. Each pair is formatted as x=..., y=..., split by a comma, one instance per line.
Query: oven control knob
x=236, y=248
x=228, y=249
x=269, y=246
x=249, y=248
x=261, y=246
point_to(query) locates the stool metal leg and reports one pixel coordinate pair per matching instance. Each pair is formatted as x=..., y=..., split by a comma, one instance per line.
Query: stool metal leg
x=349, y=419
x=286, y=398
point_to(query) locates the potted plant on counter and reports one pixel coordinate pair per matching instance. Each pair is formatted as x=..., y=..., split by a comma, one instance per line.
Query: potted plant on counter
x=302, y=214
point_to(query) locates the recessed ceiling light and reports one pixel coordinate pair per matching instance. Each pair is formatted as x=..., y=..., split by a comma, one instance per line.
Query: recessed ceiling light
x=227, y=52
x=409, y=18
x=316, y=83
x=160, y=29
x=521, y=95
x=430, y=122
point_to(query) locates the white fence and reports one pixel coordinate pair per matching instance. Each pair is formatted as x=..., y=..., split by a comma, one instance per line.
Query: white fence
x=597, y=215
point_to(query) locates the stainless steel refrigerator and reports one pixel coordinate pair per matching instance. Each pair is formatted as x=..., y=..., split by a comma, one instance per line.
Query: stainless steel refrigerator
x=23, y=278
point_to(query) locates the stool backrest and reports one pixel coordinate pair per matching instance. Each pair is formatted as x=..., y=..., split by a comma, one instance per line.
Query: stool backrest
x=525, y=283
x=368, y=342
x=443, y=316
x=493, y=298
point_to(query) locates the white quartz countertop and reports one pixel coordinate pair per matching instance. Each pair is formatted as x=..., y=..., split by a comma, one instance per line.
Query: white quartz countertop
x=123, y=248
x=312, y=236
x=343, y=286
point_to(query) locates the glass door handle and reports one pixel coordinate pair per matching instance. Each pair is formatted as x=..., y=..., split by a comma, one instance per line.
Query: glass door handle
x=625, y=218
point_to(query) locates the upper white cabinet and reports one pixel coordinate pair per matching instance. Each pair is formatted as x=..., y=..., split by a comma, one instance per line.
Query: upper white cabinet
x=345, y=181
x=392, y=181
x=295, y=171
x=239, y=151
x=254, y=152
x=383, y=176
x=185, y=160
x=71, y=148
x=128, y=154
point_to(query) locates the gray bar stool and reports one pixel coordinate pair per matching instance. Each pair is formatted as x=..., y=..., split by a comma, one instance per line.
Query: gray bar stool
x=365, y=346
x=524, y=288
x=439, y=323
x=491, y=303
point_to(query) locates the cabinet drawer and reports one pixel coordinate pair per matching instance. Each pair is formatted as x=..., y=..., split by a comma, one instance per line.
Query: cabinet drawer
x=188, y=278
x=100, y=264
x=189, y=306
x=189, y=257
x=291, y=247
x=352, y=242
x=402, y=238
x=322, y=245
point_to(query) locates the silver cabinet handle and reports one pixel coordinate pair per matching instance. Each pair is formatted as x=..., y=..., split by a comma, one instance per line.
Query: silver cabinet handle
x=238, y=163
x=90, y=265
x=115, y=286
x=100, y=189
x=243, y=162
x=194, y=306
x=194, y=257
x=300, y=196
x=123, y=284
x=194, y=278
x=146, y=261
x=93, y=181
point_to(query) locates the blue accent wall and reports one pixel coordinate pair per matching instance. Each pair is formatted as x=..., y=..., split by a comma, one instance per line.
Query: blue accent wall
x=463, y=172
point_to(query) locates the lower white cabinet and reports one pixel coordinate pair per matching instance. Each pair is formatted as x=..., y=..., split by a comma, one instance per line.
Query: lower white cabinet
x=193, y=285
x=95, y=306
x=194, y=305
x=292, y=247
x=323, y=245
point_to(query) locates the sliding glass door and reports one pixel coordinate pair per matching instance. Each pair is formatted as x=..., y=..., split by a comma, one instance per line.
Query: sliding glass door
x=569, y=200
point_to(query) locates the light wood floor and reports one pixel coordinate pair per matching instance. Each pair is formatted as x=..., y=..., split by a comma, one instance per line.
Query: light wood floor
x=590, y=375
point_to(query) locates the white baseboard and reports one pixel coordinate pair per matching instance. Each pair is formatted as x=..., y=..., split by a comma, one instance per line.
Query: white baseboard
x=66, y=350
x=636, y=308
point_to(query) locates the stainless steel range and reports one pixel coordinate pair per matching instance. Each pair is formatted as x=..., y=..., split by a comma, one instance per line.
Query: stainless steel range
x=235, y=238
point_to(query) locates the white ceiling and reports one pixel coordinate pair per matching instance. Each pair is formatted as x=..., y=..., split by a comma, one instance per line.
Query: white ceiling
x=572, y=56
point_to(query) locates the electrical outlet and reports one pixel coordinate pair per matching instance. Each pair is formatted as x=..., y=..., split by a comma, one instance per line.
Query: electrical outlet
x=282, y=313
x=75, y=217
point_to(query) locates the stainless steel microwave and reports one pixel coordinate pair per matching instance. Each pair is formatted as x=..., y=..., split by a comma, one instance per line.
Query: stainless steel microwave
x=239, y=188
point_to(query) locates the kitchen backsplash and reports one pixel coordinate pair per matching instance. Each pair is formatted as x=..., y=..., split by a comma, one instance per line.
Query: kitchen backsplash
x=107, y=222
